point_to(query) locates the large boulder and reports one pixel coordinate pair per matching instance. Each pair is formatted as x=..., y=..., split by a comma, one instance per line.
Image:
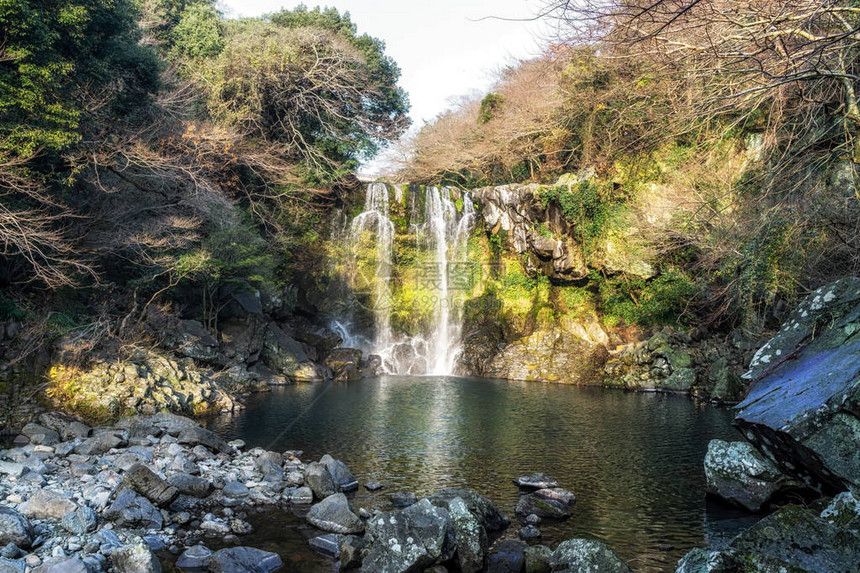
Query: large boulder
x=344, y=364
x=586, y=555
x=196, y=435
x=15, y=528
x=333, y=514
x=286, y=356
x=802, y=409
x=45, y=503
x=738, y=473
x=408, y=540
x=320, y=480
x=482, y=508
x=791, y=539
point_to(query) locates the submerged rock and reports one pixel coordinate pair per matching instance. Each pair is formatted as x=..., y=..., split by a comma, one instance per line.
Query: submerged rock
x=535, y=481
x=738, y=473
x=802, y=408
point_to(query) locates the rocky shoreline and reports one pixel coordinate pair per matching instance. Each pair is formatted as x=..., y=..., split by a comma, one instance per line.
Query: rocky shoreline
x=159, y=488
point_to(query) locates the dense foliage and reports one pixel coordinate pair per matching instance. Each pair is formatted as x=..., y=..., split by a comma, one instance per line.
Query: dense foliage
x=723, y=134
x=154, y=154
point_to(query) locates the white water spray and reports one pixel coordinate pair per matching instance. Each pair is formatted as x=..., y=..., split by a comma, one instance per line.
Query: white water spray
x=444, y=235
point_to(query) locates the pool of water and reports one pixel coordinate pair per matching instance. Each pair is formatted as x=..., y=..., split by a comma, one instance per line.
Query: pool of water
x=634, y=460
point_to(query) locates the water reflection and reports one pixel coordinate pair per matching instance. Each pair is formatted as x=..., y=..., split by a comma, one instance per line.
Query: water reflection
x=633, y=460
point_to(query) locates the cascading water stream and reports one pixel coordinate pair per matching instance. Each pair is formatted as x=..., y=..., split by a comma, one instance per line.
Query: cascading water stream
x=375, y=219
x=443, y=235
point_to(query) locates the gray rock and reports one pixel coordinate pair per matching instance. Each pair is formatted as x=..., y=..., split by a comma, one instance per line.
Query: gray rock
x=318, y=478
x=707, y=561
x=681, y=380
x=561, y=495
x=542, y=507
x=333, y=514
x=100, y=444
x=172, y=424
x=244, y=559
x=738, y=473
x=132, y=510
x=507, y=556
x=236, y=490
x=12, y=565
x=135, y=558
x=587, y=555
x=844, y=511
x=797, y=538
x=286, y=356
x=194, y=559
x=191, y=485
x=196, y=435
x=535, y=481
x=144, y=481
x=341, y=475
x=40, y=435
x=15, y=528
x=63, y=565
x=350, y=555
x=373, y=486
x=13, y=469
x=328, y=544
x=538, y=559
x=801, y=409
x=486, y=513
x=47, y=503
x=724, y=384
x=344, y=364
x=301, y=496
x=529, y=532
x=66, y=426
x=470, y=536
x=410, y=539
x=82, y=520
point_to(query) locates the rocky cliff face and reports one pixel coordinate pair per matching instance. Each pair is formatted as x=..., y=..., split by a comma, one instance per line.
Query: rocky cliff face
x=803, y=409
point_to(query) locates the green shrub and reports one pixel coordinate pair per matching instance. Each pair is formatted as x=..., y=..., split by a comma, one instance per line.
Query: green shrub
x=659, y=301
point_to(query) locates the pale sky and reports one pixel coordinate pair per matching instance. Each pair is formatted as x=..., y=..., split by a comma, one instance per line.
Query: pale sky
x=443, y=47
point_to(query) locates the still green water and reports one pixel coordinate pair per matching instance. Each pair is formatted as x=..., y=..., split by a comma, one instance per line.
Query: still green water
x=634, y=460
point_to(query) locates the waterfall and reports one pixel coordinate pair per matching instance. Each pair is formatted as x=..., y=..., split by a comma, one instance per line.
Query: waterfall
x=375, y=219
x=443, y=237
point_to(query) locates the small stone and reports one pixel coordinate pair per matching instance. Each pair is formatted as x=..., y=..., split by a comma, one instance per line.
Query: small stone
x=135, y=558
x=530, y=532
x=244, y=559
x=535, y=481
x=373, y=486
x=82, y=520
